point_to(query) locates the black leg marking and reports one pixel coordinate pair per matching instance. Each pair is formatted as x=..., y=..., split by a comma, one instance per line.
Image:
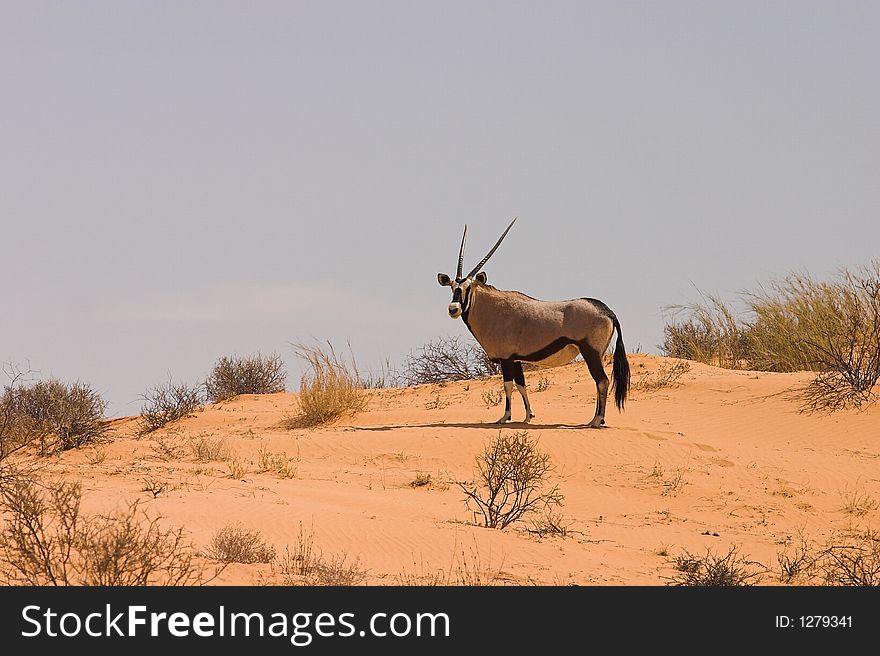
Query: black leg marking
x=597, y=371
x=507, y=373
x=519, y=378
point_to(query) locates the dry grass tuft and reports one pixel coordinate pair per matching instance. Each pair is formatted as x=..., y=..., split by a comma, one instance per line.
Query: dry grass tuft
x=794, y=324
x=306, y=566
x=279, y=464
x=329, y=390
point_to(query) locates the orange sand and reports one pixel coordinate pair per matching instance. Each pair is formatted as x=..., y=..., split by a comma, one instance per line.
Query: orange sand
x=750, y=469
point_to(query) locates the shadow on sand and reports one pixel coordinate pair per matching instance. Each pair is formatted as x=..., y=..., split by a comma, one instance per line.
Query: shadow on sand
x=511, y=424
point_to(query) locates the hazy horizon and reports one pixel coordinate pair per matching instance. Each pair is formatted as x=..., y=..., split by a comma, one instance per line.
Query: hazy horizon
x=187, y=181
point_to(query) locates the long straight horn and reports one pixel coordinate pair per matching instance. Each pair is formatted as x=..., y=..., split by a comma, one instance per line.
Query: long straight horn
x=494, y=248
x=461, y=254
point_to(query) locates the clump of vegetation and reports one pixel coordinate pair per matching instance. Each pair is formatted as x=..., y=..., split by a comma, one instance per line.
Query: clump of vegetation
x=852, y=560
x=279, y=464
x=543, y=384
x=492, y=397
x=465, y=568
x=731, y=569
x=436, y=402
x=794, y=324
x=48, y=541
x=421, y=480
x=797, y=565
x=236, y=544
x=848, y=558
x=444, y=360
x=164, y=404
x=706, y=331
x=206, y=448
x=305, y=565
x=858, y=503
x=56, y=415
x=330, y=388
x=254, y=374
x=512, y=474
x=667, y=375
x=550, y=524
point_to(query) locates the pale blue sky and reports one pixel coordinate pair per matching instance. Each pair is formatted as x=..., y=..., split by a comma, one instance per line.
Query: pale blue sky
x=185, y=180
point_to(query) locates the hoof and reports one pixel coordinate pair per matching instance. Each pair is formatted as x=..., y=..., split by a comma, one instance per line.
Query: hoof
x=503, y=420
x=528, y=418
x=596, y=423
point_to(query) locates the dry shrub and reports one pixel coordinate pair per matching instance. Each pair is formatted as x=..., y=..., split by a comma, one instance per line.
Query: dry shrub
x=12, y=436
x=444, y=360
x=164, y=404
x=47, y=541
x=731, y=569
x=550, y=524
x=254, y=374
x=236, y=544
x=511, y=476
x=667, y=375
x=848, y=558
x=795, y=324
x=852, y=560
x=306, y=566
x=797, y=565
x=330, y=388
x=56, y=415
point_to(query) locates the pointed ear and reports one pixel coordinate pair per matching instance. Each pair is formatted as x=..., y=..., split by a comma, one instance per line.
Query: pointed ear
x=444, y=280
x=481, y=277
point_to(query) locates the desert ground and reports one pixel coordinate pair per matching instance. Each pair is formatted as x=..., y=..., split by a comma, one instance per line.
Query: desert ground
x=716, y=459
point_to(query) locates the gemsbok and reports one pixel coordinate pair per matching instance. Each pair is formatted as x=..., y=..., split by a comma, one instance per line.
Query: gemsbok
x=514, y=328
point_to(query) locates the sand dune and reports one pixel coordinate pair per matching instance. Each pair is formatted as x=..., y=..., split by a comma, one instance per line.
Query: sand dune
x=723, y=458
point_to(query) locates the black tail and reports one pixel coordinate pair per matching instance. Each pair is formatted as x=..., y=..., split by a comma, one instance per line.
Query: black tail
x=620, y=369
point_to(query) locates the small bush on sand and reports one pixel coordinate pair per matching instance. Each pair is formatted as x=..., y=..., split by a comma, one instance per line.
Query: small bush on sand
x=254, y=374
x=167, y=403
x=304, y=565
x=511, y=477
x=236, y=544
x=851, y=559
x=13, y=436
x=667, y=375
x=731, y=569
x=847, y=558
x=330, y=388
x=59, y=416
x=446, y=359
x=48, y=541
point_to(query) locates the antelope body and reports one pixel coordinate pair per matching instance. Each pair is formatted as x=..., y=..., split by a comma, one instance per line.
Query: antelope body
x=514, y=328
